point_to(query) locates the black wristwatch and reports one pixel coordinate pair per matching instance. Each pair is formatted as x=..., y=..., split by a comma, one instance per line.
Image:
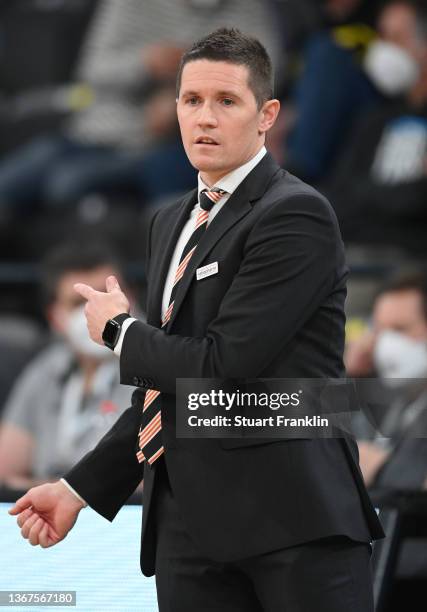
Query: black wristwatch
x=112, y=330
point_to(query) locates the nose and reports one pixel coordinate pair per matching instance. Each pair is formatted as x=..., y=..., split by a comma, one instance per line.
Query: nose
x=206, y=116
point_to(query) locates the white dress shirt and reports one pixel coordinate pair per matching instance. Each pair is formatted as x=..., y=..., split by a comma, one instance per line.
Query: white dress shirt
x=70, y=488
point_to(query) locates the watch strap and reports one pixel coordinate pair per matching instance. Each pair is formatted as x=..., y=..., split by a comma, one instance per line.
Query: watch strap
x=121, y=317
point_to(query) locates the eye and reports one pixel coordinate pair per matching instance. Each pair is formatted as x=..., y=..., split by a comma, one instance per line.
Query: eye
x=192, y=101
x=227, y=101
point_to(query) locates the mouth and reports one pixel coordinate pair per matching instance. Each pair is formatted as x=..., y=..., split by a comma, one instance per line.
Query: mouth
x=206, y=140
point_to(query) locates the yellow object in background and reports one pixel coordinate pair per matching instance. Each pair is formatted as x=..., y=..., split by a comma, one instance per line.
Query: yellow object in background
x=353, y=36
x=355, y=328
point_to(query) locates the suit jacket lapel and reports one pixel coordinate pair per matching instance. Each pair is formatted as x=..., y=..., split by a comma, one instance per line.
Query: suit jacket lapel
x=239, y=205
x=171, y=230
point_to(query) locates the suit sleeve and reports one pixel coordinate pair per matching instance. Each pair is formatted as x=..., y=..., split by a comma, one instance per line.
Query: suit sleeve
x=107, y=476
x=288, y=268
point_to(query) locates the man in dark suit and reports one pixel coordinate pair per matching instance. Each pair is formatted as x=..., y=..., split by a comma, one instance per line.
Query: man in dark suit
x=246, y=279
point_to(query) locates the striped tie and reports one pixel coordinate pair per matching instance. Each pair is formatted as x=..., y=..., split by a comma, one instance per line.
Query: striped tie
x=149, y=445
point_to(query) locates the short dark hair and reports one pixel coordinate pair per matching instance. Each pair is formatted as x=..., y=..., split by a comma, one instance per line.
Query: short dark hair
x=407, y=280
x=70, y=257
x=231, y=45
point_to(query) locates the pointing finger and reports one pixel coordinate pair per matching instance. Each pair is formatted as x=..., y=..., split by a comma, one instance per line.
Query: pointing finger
x=85, y=291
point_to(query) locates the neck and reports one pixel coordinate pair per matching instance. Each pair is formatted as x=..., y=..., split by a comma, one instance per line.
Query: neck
x=211, y=178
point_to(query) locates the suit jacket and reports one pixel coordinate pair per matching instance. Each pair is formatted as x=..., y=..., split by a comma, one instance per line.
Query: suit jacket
x=274, y=310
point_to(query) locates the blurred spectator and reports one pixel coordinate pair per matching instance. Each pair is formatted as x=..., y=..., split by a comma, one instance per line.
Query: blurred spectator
x=69, y=395
x=20, y=339
x=379, y=188
x=128, y=64
x=396, y=351
x=333, y=89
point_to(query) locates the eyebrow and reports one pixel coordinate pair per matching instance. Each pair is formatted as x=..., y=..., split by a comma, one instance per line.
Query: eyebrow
x=229, y=92
x=225, y=93
x=189, y=93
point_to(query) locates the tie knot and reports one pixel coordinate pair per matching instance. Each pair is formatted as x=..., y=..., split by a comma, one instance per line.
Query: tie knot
x=209, y=197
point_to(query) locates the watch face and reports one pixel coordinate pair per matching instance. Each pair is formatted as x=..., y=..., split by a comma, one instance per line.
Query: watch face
x=111, y=333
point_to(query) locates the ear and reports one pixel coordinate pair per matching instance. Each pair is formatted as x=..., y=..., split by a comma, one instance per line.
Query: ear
x=268, y=115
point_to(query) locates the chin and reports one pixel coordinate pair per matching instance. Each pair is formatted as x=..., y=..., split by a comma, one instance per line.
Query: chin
x=205, y=165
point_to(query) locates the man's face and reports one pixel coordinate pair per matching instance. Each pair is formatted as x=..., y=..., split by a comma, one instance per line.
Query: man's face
x=401, y=311
x=397, y=24
x=221, y=125
x=67, y=299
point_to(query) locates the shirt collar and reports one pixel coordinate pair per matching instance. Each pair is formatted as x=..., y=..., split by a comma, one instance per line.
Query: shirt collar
x=232, y=180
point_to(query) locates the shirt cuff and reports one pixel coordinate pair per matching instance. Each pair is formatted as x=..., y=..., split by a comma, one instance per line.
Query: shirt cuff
x=126, y=323
x=73, y=491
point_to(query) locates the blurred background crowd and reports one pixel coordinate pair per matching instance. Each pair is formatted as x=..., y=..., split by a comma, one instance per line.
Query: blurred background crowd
x=90, y=147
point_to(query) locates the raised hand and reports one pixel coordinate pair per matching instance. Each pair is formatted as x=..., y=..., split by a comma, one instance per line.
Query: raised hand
x=102, y=306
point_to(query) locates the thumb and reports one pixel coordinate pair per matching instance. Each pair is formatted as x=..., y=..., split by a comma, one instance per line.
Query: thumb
x=111, y=284
x=20, y=504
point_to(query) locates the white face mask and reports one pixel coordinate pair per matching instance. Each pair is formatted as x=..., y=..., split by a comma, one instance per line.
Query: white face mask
x=78, y=336
x=391, y=68
x=396, y=357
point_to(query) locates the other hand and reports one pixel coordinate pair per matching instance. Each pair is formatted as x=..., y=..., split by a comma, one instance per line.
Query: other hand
x=46, y=513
